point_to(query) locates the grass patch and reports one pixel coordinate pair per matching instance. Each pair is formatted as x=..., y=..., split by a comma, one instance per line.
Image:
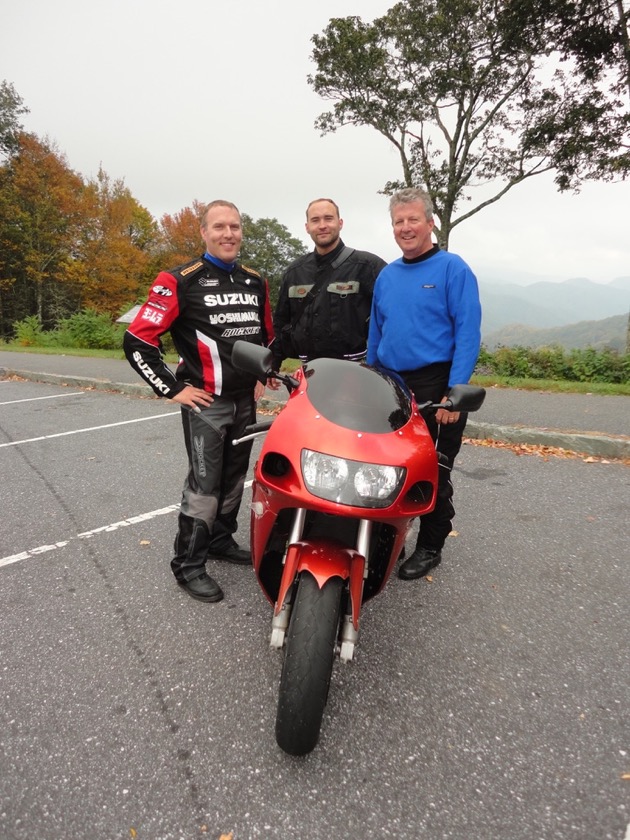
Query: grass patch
x=291, y=365
x=13, y=347
x=557, y=386
x=61, y=351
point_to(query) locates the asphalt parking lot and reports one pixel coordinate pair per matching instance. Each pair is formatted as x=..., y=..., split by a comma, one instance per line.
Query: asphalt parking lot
x=489, y=703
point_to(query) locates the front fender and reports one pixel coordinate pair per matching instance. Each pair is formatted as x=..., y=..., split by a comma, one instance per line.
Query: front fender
x=324, y=559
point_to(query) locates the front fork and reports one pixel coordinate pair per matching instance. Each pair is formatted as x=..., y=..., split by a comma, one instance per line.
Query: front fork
x=323, y=561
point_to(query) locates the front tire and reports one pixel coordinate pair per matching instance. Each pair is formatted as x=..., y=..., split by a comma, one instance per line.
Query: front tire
x=308, y=662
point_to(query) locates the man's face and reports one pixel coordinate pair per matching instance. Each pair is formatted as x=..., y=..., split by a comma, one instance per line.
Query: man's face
x=412, y=231
x=323, y=225
x=222, y=233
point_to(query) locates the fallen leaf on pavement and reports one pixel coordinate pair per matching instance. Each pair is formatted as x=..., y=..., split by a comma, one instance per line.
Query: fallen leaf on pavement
x=541, y=451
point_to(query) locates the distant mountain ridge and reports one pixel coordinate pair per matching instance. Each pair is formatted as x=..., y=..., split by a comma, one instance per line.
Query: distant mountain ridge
x=545, y=304
x=607, y=333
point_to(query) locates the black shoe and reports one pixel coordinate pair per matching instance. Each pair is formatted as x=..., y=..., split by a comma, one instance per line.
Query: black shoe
x=420, y=563
x=232, y=554
x=203, y=588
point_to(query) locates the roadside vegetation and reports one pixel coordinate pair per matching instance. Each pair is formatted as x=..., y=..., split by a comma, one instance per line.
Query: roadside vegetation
x=89, y=333
x=555, y=369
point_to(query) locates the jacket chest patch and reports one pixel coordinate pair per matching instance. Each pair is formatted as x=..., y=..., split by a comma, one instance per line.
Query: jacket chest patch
x=299, y=291
x=344, y=287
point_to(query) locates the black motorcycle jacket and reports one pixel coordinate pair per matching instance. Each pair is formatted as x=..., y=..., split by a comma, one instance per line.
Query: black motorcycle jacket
x=324, y=305
x=205, y=309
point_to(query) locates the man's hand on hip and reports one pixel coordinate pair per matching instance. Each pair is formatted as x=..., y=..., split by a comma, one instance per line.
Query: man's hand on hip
x=195, y=398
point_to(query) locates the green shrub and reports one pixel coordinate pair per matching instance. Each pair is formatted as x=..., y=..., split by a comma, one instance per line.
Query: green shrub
x=553, y=363
x=29, y=332
x=511, y=361
x=548, y=363
x=89, y=330
x=592, y=365
x=86, y=330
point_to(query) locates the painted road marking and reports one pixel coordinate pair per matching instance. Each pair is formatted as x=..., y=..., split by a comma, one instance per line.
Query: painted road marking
x=114, y=526
x=51, y=397
x=90, y=429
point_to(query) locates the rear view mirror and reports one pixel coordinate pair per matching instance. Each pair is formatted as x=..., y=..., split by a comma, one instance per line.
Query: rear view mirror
x=252, y=358
x=465, y=398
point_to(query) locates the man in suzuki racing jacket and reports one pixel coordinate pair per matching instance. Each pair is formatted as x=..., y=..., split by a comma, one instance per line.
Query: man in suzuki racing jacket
x=324, y=302
x=206, y=305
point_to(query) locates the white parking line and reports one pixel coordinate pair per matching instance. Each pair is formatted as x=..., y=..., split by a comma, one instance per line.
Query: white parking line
x=90, y=429
x=114, y=526
x=51, y=397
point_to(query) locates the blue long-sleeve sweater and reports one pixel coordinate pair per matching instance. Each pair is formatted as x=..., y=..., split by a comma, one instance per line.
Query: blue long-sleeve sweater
x=424, y=312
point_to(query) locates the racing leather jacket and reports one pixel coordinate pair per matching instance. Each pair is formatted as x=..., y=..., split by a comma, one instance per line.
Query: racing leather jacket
x=205, y=309
x=333, y=321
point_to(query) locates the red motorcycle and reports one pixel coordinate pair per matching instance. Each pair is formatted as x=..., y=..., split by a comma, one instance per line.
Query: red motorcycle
x=346, y=466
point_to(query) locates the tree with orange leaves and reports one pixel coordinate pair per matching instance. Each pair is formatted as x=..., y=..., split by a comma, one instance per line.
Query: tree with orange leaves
x=40, y=219
x=116, y=246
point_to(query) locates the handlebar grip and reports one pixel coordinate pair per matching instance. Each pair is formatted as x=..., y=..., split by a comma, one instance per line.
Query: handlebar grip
x=263, y=426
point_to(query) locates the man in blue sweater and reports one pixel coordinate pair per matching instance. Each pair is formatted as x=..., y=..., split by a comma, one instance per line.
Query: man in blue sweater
x=426, y=325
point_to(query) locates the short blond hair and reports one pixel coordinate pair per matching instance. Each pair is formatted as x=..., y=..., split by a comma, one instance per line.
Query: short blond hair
x=218, y=203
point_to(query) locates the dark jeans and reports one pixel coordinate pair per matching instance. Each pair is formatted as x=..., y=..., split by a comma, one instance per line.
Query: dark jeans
x=431, y=383
x=213, y=489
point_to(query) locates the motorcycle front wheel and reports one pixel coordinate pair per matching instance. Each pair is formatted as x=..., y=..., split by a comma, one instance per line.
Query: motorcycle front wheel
x=308, y=662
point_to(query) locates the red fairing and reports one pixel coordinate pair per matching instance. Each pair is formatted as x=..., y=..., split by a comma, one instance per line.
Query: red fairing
x=300, y=426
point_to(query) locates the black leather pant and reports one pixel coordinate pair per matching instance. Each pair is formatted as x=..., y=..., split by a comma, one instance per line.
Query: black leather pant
x=213, y=489
x=431, y=383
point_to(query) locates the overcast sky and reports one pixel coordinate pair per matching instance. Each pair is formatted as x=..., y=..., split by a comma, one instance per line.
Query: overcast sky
x=201, y=100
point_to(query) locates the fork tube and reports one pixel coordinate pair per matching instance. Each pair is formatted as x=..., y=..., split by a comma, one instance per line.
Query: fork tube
x=298, y=526
x=363, y=541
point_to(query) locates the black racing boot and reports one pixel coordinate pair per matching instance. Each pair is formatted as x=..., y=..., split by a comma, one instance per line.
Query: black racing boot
x=232, y=553
x=203, y=588
x=420, y=563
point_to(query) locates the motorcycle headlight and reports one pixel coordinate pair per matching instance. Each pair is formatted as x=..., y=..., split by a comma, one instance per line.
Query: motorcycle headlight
x=351, y=482
x=323, y=472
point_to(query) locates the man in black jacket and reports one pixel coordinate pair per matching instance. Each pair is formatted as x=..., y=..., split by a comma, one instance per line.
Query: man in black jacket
x=206, y=305
x=325, y=298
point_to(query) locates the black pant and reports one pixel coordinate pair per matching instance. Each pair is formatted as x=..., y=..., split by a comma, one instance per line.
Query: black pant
x=431, y=383
x=214, y=485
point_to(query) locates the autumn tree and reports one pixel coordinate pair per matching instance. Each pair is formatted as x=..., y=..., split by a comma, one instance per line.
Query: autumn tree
x=181, y=240
x=40, y=220
x=67, y=244
x=115, y=248
x=467, y=104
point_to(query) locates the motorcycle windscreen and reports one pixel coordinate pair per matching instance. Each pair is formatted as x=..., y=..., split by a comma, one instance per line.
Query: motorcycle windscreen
x=357, y=397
